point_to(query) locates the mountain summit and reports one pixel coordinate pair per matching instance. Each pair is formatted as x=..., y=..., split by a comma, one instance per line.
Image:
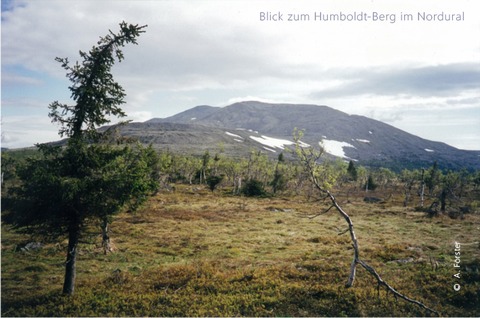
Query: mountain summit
x=244, y=126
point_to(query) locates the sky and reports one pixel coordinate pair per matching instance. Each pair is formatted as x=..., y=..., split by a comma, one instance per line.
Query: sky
x=412, y=64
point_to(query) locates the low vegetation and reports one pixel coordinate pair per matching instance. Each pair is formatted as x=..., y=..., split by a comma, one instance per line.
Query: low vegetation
x=193, y=252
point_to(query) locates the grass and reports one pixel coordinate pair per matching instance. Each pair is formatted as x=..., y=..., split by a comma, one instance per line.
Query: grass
x=196, y=253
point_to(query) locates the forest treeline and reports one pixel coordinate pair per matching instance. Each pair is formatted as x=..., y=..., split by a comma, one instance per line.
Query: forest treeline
x=259, y=175
x=256, y=174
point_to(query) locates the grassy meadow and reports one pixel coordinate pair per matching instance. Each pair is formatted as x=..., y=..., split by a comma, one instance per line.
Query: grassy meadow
x=191, y=252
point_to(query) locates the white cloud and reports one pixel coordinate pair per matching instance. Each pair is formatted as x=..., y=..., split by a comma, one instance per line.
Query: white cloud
x=15, y=79
x=234, y=100
x=26, y=131
x=217, y=53
x=139, y=116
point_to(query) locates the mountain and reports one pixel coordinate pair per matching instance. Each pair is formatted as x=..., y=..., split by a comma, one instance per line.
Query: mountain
x=244, y=126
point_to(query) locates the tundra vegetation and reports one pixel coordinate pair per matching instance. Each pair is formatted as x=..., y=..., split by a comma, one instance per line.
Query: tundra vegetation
x=190, y=251
x=166, y=234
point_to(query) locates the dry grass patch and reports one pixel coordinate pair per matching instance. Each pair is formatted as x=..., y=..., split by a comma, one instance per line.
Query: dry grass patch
x=196, y=253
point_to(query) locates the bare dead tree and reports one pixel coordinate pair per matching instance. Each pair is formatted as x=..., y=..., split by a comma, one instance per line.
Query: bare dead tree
x=309, y=158
x=106, y=244
x=422, y=189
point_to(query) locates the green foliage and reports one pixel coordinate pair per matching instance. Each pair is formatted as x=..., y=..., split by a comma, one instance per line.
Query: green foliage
x=213, y=181
x=8, y=167
x=81, y=182
x=96, y=94
x=88, y=179
x=69, y=185
x=199, y=290
x=370, y=184
x=253, y=188
x=328, y=173
x=384, y=177
x=205, y=167
x=279, y=181
x=432, y=177
x=352, y=171
x=473, y=207
x=259, y=167
x=324, y=175
x=476, y=179
x=410, y=177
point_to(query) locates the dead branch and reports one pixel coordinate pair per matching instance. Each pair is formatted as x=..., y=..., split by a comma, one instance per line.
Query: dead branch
x=381, y=282
x=321, y=213
x=310, y=161
x=341, y=232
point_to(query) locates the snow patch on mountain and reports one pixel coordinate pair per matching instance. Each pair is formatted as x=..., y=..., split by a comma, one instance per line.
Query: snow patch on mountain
x=366, y=141
x=303, y=144
x=272, y=142
x=266, y=148
x=335, y=147
x=233, y=135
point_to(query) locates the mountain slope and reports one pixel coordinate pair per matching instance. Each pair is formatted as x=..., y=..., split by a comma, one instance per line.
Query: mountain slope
x=349, y=136
x=190, y=139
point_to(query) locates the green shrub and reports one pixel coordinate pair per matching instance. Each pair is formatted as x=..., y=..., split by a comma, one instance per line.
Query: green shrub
x=253, y=188
x=213, y=181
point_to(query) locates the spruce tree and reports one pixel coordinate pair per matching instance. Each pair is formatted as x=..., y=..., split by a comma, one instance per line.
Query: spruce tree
x=89, y=179
x=352, y=171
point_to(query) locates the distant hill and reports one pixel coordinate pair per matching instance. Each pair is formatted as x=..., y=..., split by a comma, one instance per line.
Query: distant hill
x=241, y=127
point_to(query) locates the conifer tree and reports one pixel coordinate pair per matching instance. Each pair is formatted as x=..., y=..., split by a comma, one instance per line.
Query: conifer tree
x=352, y=171
x=90, y=178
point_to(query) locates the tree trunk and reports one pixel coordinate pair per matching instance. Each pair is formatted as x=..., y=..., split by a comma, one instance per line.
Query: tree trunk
x=422, y=190
x=407, y=191
x=237, y=185
x=70, y=264
x=407, y=198
x=105, y=237
x=443, y=198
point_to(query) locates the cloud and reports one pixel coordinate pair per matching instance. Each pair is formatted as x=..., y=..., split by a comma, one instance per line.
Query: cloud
x=12, y=79
x=8, y=5
x=17, y=131
x=234, y=100
x=218, y=51
x=140, y=116
x=449, y=125
x=22, y=104
x=438, y=80
x=182, y=50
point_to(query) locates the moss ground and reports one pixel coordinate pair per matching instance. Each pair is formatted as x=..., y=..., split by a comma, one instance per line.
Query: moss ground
x=196, y=253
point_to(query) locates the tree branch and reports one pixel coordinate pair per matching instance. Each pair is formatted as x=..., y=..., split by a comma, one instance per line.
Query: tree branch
x=321, y=213
x=340, y=232
x=309, y=159
x=381, y=282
